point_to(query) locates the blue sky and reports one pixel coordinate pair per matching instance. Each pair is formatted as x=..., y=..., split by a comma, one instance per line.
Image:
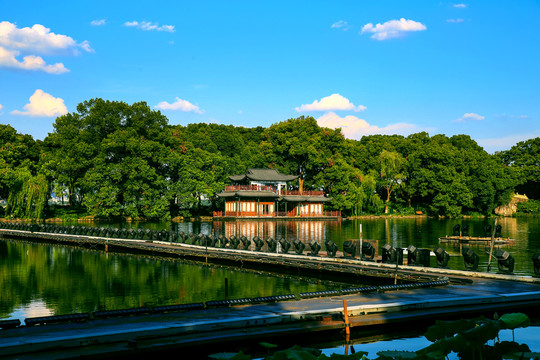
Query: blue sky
x=385, y=67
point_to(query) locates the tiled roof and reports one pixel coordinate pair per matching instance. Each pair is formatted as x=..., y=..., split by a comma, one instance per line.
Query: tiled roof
x=263, y=175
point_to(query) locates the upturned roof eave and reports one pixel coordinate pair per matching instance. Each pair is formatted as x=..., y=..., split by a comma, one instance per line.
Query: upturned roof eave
x=264, y=175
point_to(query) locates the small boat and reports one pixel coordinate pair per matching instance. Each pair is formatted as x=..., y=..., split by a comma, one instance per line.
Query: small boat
x=461, y=236
x=475, y=240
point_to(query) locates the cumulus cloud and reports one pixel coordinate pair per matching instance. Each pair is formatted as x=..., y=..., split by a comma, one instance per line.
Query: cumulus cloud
x=38, y=40
x=99, y=22
x=30, y=62
x=392, y=29
x=470, y=116
x=43, y=104
x=149, y=26
x=341, y=24
x=354, y=128
x=30, y=41
x=179, y=104
x=454, y=20
x=461, y=6
x=329, y=103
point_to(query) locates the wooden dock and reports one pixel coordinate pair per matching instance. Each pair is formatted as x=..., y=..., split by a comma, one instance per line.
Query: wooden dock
x=227, y=326
x=451, y=293
x=475, y=240
x=346, y=269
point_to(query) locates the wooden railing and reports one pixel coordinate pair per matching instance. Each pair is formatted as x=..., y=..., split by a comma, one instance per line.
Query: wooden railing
x=274, y=190
x=304, y=193
x=250, y=188
x=336, y=213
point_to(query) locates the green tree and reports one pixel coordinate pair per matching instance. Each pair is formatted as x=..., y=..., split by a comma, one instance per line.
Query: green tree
x=300, y=147
x=391, y=173
x=117, y=155
x=524, y=158
x=436, y=178
x=490, y=182
x=341, y=182
x=28, y=194
x=22, y=184
x=199, y=175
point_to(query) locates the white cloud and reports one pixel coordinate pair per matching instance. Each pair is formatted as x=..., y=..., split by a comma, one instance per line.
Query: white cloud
x=392, y=29
x=99, y=22
x=28, y=42
x=43, y=104
x=38, y=39
x=470, y=116
x=30, y=62
x=341, y=24
x=454, y=20
x=179, y=104
x=332, y=102
x=148, y=26
x=461, y=6
x=354, y=128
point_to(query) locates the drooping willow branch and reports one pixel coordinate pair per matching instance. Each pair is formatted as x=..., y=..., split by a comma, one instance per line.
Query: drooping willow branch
x=27, y=195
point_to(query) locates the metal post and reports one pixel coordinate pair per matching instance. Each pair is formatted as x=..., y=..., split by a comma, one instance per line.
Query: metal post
x=361, y=240
x=492, y=244
x=346, y=316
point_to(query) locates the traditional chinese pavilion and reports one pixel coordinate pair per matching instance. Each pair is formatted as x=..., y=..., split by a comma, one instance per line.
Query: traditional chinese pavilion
x=265, y=193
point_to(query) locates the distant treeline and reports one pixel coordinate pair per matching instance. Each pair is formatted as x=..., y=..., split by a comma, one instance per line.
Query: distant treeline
x=112, y=159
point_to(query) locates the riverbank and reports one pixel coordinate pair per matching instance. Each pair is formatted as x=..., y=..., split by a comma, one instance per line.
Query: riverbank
x=180, y=219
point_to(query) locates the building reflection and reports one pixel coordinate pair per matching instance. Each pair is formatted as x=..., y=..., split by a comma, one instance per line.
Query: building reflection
x=304, y=231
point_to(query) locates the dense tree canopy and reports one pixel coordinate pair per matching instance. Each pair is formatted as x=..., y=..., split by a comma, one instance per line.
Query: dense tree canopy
x=117, y=159
x=110, y=157
x=524, y=157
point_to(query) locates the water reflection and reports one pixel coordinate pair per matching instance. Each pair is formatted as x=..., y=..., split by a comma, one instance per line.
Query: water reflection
x=399, y=232
x=420, y=231
x=41, y=280
x=305, y=231
x=70, y=280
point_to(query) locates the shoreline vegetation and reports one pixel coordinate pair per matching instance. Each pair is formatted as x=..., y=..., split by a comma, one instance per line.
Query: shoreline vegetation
x=91, y=219
x=112, y=160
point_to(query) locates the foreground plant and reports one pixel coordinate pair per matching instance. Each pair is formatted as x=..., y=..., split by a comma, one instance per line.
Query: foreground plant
x=467, y=338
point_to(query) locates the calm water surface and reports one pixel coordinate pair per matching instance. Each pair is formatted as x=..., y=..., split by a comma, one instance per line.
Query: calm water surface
x=38, y=280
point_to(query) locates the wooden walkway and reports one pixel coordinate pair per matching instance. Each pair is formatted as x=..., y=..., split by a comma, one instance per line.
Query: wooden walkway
x=339, y=266
x=466, y=294
x=127, y=336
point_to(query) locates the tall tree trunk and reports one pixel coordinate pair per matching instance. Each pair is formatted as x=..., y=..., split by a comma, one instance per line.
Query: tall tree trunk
x=388, y=192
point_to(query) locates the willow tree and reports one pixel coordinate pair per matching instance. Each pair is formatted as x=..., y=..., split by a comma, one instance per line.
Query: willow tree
x=391, y=172
x=28, y=194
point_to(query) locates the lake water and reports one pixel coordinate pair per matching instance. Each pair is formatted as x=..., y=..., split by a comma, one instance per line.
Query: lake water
x=38, y=280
